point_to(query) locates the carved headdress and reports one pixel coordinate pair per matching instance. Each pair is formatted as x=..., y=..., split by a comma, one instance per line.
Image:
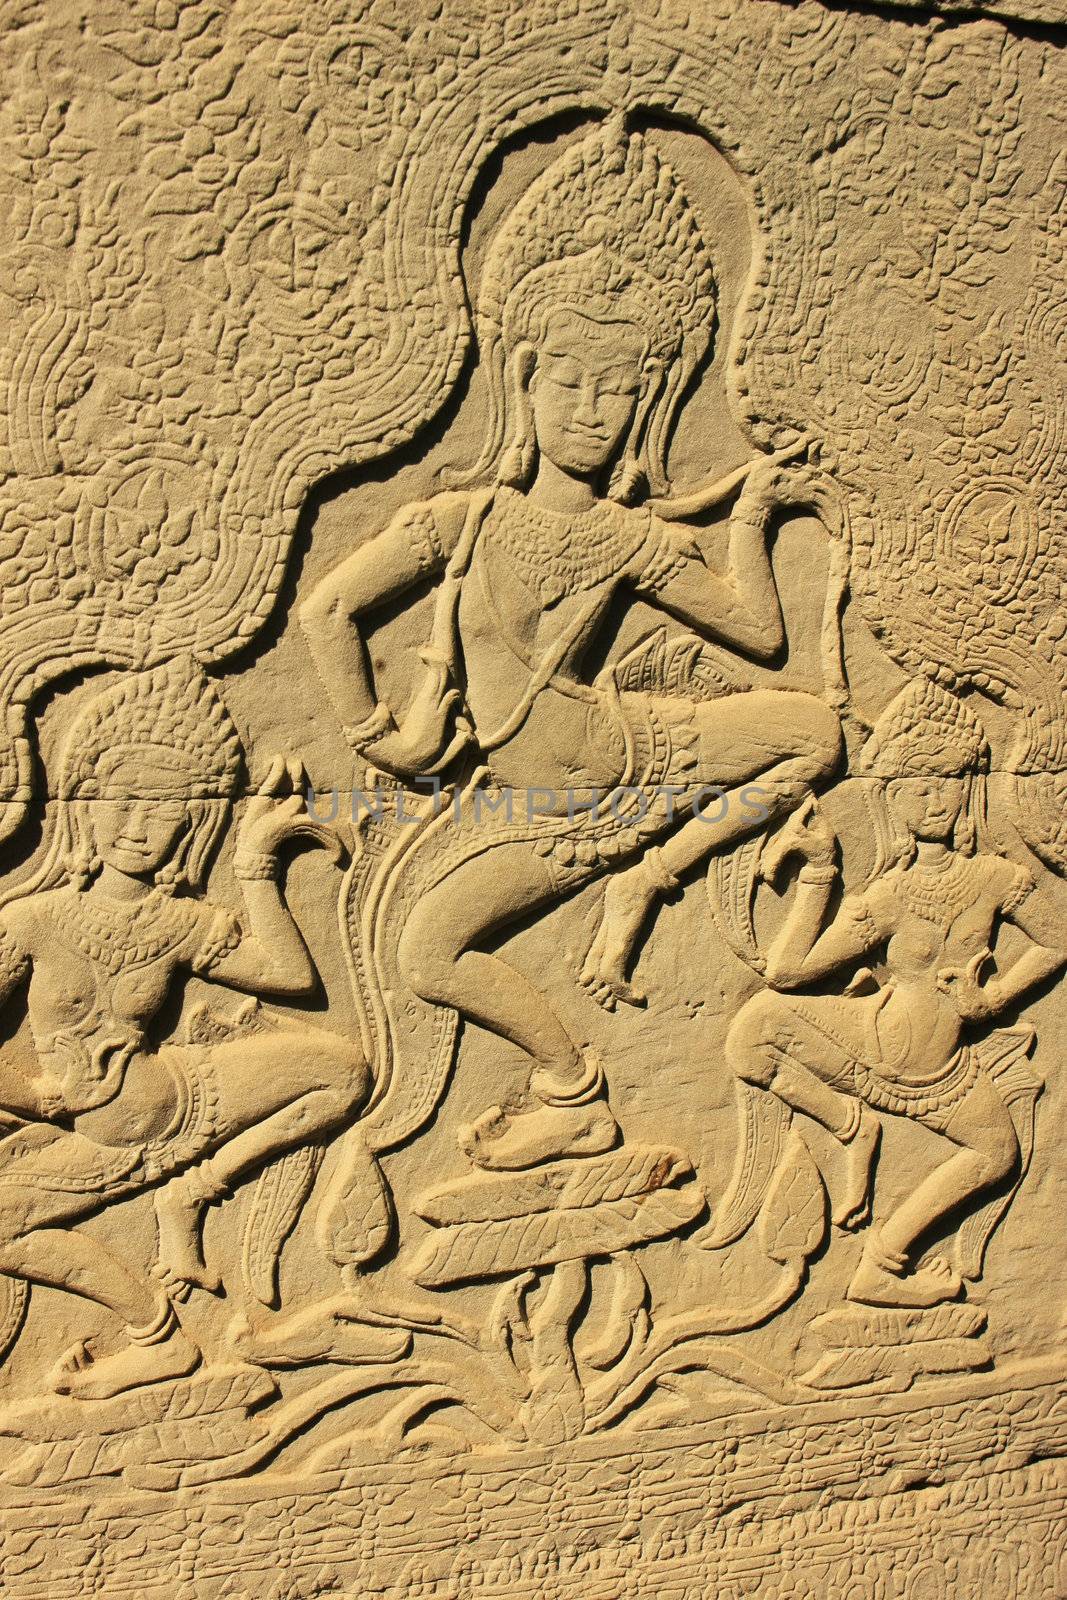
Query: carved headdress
x=170, y=717
x=171, y=712
x=607, y=230
x=925, y=732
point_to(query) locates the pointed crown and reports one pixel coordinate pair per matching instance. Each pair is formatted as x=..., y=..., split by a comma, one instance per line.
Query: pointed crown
x=608, y=229
x=925, y=732
x=171, y=710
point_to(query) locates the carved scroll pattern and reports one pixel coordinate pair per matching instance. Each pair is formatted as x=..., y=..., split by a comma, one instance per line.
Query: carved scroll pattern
x=233, y=269
x=167, y=411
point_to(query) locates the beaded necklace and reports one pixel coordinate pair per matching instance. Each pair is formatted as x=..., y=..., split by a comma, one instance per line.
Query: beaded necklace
x=938, y=894
x=560, y=553
x=118, y=936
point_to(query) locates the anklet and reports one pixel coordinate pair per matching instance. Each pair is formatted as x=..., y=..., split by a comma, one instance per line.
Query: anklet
x=155, y=1332
x=813, y=873
x=203, y=1184
x=663, y=879
x=885, y=1258
x=588, y=1087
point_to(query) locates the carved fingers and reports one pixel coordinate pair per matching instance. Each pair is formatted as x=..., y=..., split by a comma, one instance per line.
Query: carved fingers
x=974, y=1000
x=779, y=480
x=806, y=833
x=279, y=811
x=177, y=1287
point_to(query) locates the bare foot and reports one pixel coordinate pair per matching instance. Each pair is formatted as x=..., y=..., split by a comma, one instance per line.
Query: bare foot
x=181, y=1265
x=628, y=898
x=878, y=1285
x=509, y=1141
x=331, y=1330
x=138, y=1364
x=854, y=1207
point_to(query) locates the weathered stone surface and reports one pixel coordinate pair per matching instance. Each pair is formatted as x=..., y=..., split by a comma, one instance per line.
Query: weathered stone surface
x=533, y=788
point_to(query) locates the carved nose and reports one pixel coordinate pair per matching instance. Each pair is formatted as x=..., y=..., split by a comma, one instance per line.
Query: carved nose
x=586, y=411
x=136, y=829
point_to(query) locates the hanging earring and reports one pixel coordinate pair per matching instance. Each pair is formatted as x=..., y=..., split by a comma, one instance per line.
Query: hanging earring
x=965, y=835
x=83, y=862
x=517, y=462
x=628, y=480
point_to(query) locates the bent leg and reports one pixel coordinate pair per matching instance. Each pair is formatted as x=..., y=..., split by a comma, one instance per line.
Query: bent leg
x=38, y=1245
x=273, y=1092
x=439, y=959
x=988, y=1154
x=61, y=1258
x=776, y=1046
x=787, y=740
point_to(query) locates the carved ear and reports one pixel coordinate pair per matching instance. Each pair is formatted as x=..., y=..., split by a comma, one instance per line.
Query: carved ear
x=517, y=462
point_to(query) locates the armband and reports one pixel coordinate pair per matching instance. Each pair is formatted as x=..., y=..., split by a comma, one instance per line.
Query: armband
x=812, y=872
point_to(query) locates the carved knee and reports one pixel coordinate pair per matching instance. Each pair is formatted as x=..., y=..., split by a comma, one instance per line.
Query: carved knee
x=347, y=1071
x=818, y=736
x=999, y=1152
x=425, y=965
x=16, y=1210
x=751, y=1037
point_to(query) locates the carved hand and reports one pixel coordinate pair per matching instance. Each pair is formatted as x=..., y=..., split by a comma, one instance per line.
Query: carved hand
x=974, y=1000
x=773, y=483
x=424, y=740
x=84, y=1085
x=806, y=834
x=272, y=816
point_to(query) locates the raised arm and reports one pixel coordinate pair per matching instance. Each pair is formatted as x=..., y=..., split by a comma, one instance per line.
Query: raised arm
x=804, y=951
x=411, y=548
x=264, y=952
x=740, y=606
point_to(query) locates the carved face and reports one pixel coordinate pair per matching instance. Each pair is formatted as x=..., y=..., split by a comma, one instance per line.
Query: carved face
x=584, y=390
x=138, y=836
x=927, y=807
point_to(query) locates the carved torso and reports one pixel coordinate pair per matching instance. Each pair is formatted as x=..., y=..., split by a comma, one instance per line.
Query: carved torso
x=95, y=987
x=936, y=919
x=538, y=589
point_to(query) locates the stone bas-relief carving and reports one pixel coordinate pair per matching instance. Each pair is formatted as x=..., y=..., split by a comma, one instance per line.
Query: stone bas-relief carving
x=532, y=922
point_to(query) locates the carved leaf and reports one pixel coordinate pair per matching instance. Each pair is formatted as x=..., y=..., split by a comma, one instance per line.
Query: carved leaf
x=561, y=1185
x=355, y=1220
x=793, y=1219
x=843, y=1369
x=490, y=1249
x=44, y=1466
x=627, y=1321
x=278, y=1197
x=852, y=1326
x=895, y=1369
